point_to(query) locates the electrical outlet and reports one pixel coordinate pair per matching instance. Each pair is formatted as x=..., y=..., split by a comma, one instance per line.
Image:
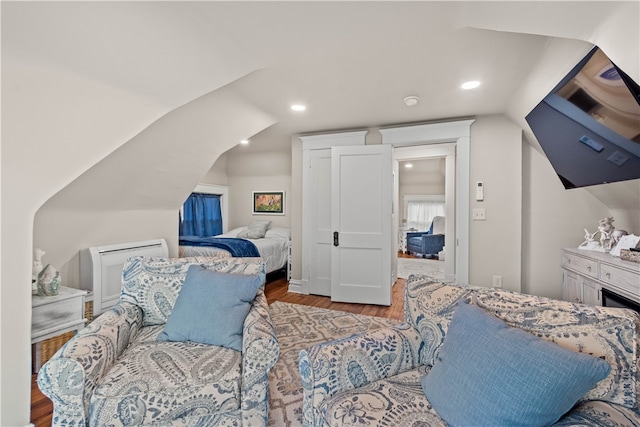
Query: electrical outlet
x=497, y=281
x=479, y=214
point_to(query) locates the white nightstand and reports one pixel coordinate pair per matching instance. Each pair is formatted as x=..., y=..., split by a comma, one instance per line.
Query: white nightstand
x=55, y=315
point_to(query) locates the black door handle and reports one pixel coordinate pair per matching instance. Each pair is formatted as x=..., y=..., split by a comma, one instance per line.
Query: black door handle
x=336, y=239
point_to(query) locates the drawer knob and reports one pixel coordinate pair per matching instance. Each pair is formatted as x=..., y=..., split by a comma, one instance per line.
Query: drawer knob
x=608, y=275
x=576, y=299
x=589, y=268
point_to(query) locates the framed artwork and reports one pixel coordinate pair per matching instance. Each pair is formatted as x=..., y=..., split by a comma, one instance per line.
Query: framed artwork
x=268, y=202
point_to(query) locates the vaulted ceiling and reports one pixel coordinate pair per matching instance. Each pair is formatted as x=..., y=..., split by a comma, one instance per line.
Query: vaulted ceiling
x=350, y=63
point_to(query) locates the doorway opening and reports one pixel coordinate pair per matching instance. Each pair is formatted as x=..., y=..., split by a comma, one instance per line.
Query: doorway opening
x=448, y=140
x=421, y=214
x=436, y=176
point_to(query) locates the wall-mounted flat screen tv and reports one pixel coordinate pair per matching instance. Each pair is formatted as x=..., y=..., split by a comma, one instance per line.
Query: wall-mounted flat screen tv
x=589, y=125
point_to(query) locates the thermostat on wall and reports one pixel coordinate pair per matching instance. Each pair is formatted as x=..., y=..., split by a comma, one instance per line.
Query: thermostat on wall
x=479, y=191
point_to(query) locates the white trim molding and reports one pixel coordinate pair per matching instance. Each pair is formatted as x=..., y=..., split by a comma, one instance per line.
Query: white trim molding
x=328, y=140
x=435, y=135
x=431, y=133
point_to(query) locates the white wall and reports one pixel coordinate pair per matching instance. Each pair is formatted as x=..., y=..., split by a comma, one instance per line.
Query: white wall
x=218, y=173
x=57, y=130
x=494, y=247
x=89, y=230
x=246, y=173
x=148, y=174
x=552, y=219
x=53, y=127
x=429, y=179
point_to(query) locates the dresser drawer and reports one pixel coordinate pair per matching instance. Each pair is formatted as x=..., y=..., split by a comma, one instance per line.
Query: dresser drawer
x=623, y=279
x=581, y=265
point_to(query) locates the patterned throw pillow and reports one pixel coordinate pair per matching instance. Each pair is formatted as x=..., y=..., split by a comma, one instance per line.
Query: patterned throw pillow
x=429, y=306
x=505, y=376
x=608, y=333
x=153, y=283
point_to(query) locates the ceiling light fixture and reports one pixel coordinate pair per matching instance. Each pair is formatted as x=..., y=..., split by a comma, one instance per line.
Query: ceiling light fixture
x=410, y=101
x=470, y=84
x=298, y=107
x=408, y=165
x=244, y=141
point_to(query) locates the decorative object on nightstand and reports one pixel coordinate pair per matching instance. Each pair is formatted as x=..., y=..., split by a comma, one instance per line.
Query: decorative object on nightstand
x=48, y=281
x=36, y=267
x=609, y=236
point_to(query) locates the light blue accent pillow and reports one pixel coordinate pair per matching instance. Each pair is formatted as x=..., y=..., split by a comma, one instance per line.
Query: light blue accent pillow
x=490, y=374
x=211, y=308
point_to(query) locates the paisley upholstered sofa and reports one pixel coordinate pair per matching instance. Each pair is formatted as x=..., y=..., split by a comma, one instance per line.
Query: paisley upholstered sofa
x=577, y=365
x=120, y=371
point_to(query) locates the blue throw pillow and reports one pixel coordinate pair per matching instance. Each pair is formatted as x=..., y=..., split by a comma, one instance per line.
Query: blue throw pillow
x=490, y=374
x=211, y=308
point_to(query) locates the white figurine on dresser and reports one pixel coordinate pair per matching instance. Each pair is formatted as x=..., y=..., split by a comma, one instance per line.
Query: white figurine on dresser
x=609, y=236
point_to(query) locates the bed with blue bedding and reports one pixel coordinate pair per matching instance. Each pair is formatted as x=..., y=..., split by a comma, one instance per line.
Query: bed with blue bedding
x=273, y=247
x=237, y=248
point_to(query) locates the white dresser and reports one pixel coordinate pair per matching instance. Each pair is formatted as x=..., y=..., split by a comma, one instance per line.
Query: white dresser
x=585, y=273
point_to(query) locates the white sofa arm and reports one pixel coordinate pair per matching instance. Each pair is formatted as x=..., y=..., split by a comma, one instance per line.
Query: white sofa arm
x=72, y=374
x=333, y=367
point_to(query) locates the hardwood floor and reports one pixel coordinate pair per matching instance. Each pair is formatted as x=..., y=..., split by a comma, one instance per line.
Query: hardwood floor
x=41, y=406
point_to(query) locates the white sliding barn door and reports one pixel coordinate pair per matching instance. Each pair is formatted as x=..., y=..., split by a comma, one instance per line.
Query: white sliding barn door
x=361, y=219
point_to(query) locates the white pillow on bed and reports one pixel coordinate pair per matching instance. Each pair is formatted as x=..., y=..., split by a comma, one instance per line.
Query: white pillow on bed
x=256, y=230
x=278, y=233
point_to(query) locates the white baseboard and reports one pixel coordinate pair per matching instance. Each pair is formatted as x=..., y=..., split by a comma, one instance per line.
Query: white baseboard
x=295, y=286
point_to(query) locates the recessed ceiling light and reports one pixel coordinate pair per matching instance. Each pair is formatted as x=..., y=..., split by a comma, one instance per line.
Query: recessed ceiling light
x=298, y=107
x=244, y=141
x=410, y=101
x=470, y=84
x=408, y=165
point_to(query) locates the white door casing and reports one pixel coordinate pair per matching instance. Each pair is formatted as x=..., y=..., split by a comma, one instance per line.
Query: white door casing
x=458, y=132
x=361, y=219
x=320, y=221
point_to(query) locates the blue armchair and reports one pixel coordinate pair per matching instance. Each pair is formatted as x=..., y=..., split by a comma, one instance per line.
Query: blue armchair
x=427, y=243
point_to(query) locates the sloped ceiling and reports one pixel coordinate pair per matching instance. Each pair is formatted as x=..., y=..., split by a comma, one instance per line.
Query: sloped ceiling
x=352, y=63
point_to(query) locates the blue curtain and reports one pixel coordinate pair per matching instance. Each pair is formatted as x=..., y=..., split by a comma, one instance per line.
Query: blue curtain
x=202, y=216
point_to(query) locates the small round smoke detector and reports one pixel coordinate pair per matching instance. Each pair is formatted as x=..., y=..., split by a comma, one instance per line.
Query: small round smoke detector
x=410, y=101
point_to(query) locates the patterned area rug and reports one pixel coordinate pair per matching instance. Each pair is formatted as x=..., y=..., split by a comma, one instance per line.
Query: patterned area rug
x=430, y=267
x=299, y=327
